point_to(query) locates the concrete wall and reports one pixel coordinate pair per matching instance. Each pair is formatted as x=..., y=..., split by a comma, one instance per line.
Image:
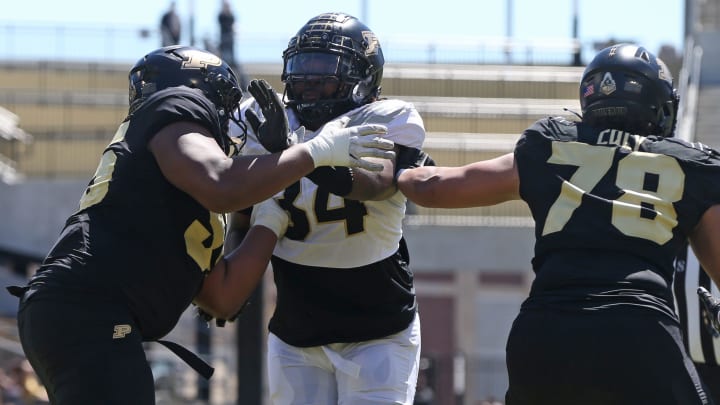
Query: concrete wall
x=710, y=71
x=469, y=249
x=32, y=213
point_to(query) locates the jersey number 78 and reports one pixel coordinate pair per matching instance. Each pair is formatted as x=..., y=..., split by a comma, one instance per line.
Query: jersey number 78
x=648, y=181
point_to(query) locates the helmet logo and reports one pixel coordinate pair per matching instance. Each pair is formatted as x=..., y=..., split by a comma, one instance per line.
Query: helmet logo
x=372, y=42
x=607, y=86
x=197, y=59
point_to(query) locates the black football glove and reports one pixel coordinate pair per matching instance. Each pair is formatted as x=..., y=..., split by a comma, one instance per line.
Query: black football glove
x=710, y=311
x=274, y=132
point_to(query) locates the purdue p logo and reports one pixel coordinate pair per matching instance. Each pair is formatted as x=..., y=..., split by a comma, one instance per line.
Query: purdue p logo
x=121, y=331
x=197, y=59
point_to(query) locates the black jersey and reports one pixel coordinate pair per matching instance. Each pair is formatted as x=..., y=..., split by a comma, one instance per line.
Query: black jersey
x=611, y=211
x=136, y=237
x=319, y=305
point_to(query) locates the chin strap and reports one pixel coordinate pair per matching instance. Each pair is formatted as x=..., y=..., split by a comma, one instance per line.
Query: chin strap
x=571, y=111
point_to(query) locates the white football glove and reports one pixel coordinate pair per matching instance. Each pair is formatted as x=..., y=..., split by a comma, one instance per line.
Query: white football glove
x=270, y=215
x=338, y=145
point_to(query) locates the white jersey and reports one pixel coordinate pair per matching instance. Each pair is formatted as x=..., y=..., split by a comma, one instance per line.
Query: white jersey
x=329, y=231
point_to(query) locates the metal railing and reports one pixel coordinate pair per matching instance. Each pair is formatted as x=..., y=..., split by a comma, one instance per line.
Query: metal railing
x=123, y=43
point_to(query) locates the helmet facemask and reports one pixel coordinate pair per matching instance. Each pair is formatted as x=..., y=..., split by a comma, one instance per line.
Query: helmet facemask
x=321, y=86
x=226, y=97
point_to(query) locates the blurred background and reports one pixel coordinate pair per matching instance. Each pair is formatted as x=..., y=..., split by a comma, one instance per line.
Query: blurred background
x=479, y=73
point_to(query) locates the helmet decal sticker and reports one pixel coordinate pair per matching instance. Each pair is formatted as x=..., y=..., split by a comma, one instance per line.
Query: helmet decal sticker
x=372, y=42
x=607, y=86
x=197, y=59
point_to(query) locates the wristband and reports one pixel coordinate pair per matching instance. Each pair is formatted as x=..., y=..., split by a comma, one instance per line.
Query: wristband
x=269, y=214
x=337, y=180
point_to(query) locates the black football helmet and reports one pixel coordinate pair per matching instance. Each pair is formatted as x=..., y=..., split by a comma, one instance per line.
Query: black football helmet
x=332, y=48
x=179, y=65
x=628, y=88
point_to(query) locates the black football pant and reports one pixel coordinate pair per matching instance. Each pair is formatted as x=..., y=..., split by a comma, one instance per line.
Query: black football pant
x=86, y=354
x=618, y=357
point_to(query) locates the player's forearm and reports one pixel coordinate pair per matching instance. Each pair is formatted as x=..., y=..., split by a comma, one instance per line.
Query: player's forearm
x=238, y=227
x=477, y=184
x=373, y=186
x=420, y=185
x=251, y=179
x=232, y=281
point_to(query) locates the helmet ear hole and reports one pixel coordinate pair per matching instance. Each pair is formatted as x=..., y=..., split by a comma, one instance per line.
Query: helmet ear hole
x=360, y=92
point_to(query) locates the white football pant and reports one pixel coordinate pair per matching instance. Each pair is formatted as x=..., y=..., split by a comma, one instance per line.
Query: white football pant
x=375, y=372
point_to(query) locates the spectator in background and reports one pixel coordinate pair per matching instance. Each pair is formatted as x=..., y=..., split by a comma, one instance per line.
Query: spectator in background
x=170, y=27
x=226, y=18
x=212, y=47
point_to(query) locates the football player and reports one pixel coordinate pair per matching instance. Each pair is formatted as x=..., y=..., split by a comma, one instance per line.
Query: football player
x=345, y=327
x=613, y=197
x=147, y=238
x=697, y=320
